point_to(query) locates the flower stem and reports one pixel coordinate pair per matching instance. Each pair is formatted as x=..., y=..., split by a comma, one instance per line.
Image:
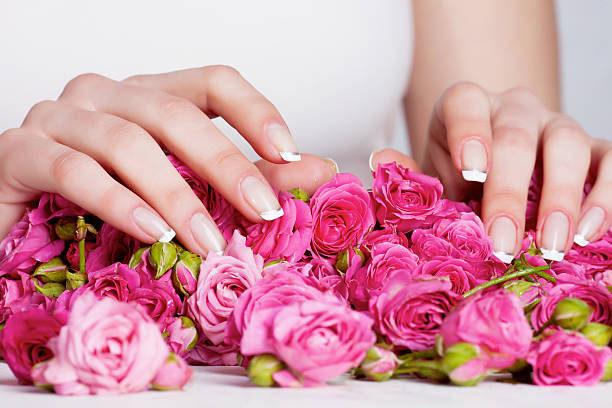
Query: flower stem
x=81, y=233
x=429, y=368
x=520, y=273
x=419, y=354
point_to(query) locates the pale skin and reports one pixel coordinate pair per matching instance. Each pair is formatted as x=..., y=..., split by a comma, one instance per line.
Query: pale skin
x=483, y=102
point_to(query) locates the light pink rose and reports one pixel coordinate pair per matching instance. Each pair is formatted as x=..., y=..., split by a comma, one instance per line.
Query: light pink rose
x=317, y=339
x=342, y=214
x=52, y=205
x=107, y=347
x=467, y=237
x=493, y=321
x=223, y=278
x=23, y=341
x=567, y=358
x=594, y=294
x=462, y=274
x=404, y=198
x=175, y=374
x=287, y=237
x=25, y=245
x=408, y=312
x=182, y=335
x=386, y=258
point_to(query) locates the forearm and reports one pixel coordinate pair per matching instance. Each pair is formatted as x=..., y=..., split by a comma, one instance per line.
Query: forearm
x=498, y=44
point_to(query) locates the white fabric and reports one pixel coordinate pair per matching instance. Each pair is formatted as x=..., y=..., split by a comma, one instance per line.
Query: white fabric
x=336, y=70
x=228, y=387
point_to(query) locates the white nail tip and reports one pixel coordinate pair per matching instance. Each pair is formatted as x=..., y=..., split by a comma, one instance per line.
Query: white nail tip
x=503, y=256
x=290, y=156
x=552, y=254
x=474, y=175
x=167, y=236
x=370, y=161
x=219, y=252
x=271, y=214
x=580, y=240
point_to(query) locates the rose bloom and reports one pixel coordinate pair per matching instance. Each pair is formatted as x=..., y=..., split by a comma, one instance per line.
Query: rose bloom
x=181, y=334
x=386, y=258
x=408, y=311
x=388, y=234
x=20, y=295
x=25, y=245
x=223, y=278
x=467, y=236
x=594, y=294
x=159, y=300
x=175, y=374
x=111, y=246
x=567, y=358
x=341, y=213
x=426, y=245
x=595, y=257
x=23, y=341
x=493, y=321
x=52, y=205
x=287, y=237
x=463, y=275
x=107, y=347
x=72, y=254
x=405, y=198
x=317, y=339
x=208, y=354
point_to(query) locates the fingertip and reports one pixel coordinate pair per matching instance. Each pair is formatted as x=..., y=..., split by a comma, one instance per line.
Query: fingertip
x=389, y=156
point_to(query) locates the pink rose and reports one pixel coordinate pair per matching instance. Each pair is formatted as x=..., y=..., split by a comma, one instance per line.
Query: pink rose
x=107, y=347
x=182, y=335
x=388, y=234
x=595, y=257
x=593, y=293
x=493, y=321
x=25, y=245
x=409, y=312
x=341, y=213
x=286, y=237
x=52, y=205
x=326, y=277
x=111, y=246
x=223, y=278
x=386, y=258
x=463, y=275
x=73, y=256
x=206, y=353
x=317, y=339
x=466, y=235
x=404, y=198
x=159, y=300
x=173, y=375
x=17, y=295
x=566, y=358
x=23, y=341
x=118, y=281
x=426, y=245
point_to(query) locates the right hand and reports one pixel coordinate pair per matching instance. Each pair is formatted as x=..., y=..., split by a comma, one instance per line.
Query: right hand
x=99, y=127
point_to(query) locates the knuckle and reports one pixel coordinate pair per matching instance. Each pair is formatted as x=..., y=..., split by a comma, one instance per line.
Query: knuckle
x=126, y=138
x=221, y=72
x=39, y=111
x=112, y=197
x=227, y=158
x=566, y=132
x=514, y=136
x=135, y=80
x=83, y=83
x=524, y=95
x=174, y=108
x=68, y=167
x=461, y=89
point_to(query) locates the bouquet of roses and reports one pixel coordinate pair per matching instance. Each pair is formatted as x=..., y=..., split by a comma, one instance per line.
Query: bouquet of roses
x=392, y=282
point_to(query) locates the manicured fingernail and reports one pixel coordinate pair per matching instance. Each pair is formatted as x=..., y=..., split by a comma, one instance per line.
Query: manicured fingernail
x=503, y=234
x=589, y=224
x=332, y=165
x=282, y=141
x=370, y=160
x=474, y=161
x=153, y=225
x=207, y=234
x=261, y=198
x=554, y=236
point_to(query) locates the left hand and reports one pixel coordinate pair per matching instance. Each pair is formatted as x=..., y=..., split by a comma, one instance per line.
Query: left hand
x=495, y=139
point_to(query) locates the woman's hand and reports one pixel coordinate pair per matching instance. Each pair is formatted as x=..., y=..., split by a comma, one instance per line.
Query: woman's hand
x=495, y=139
x=100, y=127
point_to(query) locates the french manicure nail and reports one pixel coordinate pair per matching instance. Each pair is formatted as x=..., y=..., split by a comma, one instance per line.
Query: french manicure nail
x=474, y=161
x=283, y=142
x=503, y=234
x=207, y=234
x=589, y=224
x=332, y=165
x=261, y=198
x=153, y=225
x=554, y=236
x=370, y=160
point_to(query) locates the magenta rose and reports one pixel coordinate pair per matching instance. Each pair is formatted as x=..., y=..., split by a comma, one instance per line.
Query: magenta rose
x=287, y=237
x=73, y=256
x=493, y=321
x=466, y=235
x=408, y=312
x=23, y=341
x=159, y=300
x=25, y=245
x=386, y=258
x=387, y=234
x=595, y=257
x=324, y=276
x=111, y=246
x=567, y=358
x=223, y=278
x=317, y=339
x=20, y=295
x=404, y=198
x=52, y=205
x=106, y=347
x=426, y=245
x=208, y=354
x=594, y=294
x=463, y=275
x=342, y=214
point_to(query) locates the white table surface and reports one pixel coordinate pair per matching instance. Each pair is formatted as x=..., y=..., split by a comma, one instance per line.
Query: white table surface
x=221, y=387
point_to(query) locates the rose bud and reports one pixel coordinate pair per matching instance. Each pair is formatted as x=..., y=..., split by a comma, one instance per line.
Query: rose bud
x=186, y=272
x=346, y=257
x=162, y=256
x=173, y=375
x=136, y=258
x=379, y=364
x=181, y=335
x=571, y=314
x=299, y=194
x=75, y=280
x=464, y=364
x=262, y=367
x=65, y=228
x=51, y=289
x=599, y=334
x=607, y=372
x=51, y=271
